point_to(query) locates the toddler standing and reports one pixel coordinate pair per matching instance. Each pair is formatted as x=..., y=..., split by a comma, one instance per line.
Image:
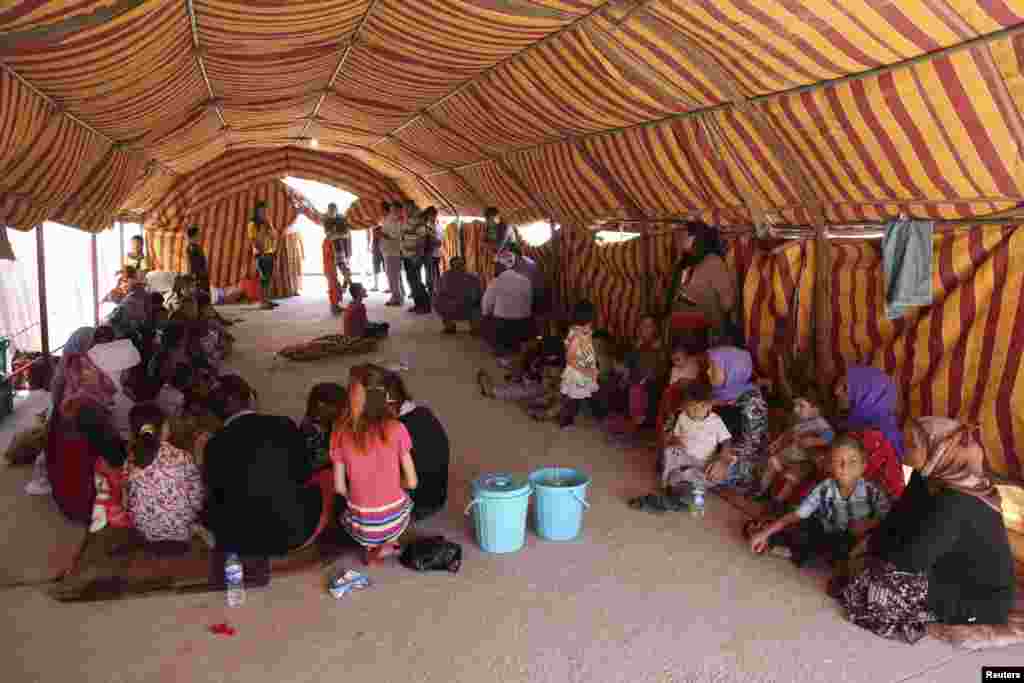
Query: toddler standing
x=579, y=379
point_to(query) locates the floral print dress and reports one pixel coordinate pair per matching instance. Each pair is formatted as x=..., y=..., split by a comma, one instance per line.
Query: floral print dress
x=164, y=498
x=579, y=377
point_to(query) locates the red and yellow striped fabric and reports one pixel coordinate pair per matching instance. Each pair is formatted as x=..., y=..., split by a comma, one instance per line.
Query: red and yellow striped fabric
x=226, y=242
x=960, y=357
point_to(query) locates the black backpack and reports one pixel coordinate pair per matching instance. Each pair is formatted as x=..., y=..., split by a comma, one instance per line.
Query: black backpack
x=432, y=554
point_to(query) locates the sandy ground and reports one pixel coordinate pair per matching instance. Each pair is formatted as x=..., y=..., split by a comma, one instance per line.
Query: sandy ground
x=636, y=598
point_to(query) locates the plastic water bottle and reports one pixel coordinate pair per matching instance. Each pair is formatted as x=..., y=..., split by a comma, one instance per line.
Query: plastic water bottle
x=697, y=509
x=234, y=579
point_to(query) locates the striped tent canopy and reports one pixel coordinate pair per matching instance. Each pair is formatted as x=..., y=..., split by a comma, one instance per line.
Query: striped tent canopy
x=735, y=112
x=571, y=110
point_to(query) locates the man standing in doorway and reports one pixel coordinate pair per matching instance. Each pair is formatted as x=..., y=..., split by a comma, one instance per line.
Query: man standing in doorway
x=391, y=249
x=263, y=237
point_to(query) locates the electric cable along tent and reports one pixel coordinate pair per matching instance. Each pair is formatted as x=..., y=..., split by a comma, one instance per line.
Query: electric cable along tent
x=800, y=127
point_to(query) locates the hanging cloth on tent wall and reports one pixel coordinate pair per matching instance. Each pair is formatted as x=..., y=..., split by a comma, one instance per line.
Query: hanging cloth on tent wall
x=6, y=250
x=907, y=263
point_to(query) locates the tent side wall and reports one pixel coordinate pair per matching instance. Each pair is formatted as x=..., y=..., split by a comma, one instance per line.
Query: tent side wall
x=226, y=244
x=959, y=357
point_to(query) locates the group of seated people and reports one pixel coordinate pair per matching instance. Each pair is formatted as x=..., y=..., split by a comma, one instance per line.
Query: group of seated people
x=906, y=557
x=148, y=435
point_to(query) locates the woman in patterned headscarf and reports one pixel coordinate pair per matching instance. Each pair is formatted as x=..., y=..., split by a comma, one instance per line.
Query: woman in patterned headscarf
x=942, y=555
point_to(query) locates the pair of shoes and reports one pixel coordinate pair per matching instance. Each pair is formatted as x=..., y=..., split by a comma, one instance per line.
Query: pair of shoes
x=448, y=330
x=393, y=303
x=335, y=309
x=266, y=306
x=781, y=551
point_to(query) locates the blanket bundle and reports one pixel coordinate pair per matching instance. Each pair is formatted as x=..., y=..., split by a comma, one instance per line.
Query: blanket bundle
x=327, y=346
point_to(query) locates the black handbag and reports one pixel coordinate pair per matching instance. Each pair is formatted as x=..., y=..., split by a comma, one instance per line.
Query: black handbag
x=432, y=554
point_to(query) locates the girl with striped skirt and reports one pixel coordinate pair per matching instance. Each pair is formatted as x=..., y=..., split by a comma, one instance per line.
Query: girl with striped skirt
x=373, y=467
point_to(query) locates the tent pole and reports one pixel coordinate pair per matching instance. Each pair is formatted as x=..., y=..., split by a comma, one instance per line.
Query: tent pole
x=44, y=321
x=95, y=282
x=823, y=351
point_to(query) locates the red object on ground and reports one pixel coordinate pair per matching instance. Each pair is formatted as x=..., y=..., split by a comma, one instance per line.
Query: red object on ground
x=251, y=287
x=222, y=630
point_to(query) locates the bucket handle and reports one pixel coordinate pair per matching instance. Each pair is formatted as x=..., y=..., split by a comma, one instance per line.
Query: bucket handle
x=585, y=504
x=471, y=504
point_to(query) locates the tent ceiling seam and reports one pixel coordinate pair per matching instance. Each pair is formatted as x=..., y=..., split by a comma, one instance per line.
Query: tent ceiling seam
x=602, y=171
x=197, y=52
x=986, y=39
x=350, y=45
x=542, y=206
x=581, y=21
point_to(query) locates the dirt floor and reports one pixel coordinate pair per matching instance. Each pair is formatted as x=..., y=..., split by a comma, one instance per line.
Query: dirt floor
x=636, y=598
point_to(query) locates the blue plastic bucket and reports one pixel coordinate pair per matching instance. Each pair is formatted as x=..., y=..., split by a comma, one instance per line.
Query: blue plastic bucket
x=560, y=501
x=500, y=503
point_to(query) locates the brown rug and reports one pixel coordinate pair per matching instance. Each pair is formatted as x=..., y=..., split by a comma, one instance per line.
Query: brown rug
x=116, y=563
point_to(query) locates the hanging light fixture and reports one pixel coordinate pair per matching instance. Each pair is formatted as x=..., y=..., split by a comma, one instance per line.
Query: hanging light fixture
x=314, y=143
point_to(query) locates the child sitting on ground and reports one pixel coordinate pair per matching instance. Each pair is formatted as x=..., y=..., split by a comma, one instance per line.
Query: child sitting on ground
x=579, y=379
x=327, y=402
x=832, y=517
x=526, y=380
x=163, y=485
x=373, y=466
x=697, y=435
x=793, y=454
x=355, y=322
x=685, y=366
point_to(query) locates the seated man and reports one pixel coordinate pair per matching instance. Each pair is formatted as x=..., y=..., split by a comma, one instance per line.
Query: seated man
x=507, y=304
x=458, y=296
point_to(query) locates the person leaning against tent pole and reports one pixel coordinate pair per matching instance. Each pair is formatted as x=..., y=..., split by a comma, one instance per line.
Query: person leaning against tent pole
x=263, y=237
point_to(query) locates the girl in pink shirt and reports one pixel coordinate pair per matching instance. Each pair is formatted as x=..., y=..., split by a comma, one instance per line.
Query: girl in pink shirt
x=373, y=467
